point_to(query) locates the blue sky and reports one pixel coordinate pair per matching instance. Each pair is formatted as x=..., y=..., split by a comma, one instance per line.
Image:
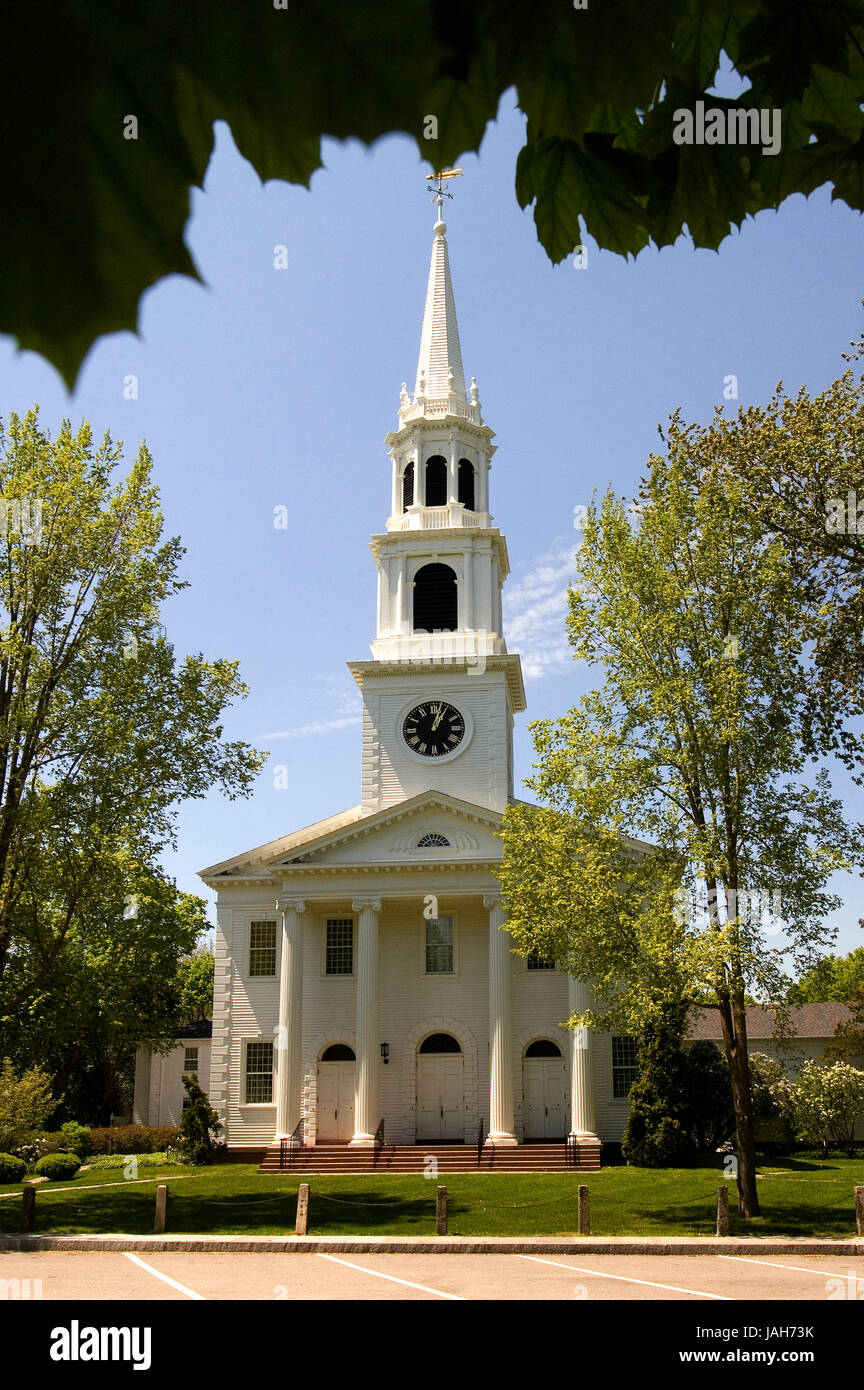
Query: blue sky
x=266, y=387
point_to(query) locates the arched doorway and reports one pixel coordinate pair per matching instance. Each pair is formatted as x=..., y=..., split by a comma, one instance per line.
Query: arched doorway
x=440, y=1083
x=336, y=1094
x=544, y=1086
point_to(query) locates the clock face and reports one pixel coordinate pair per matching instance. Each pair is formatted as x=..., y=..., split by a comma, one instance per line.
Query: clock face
x=433, y=728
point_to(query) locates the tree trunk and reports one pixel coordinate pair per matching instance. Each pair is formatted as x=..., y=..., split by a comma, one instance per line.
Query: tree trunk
x=734, y=1021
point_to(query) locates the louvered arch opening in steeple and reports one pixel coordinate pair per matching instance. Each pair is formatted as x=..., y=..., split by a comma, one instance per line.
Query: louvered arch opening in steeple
x=408, y=486
x=436, y=481
x=466, y=484
x=436, y=605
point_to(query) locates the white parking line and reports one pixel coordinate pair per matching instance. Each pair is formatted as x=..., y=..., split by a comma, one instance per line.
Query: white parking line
x=830, y=1273
x=166, y=1279
x=392, y=1277
x=598, y=1274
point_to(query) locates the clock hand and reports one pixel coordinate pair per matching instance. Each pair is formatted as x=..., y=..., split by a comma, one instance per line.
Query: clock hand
x=438, y=719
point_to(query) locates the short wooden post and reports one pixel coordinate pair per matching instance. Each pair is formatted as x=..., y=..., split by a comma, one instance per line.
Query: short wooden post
x=28, y=1207
x=859, y=1210
x=584, y=1211
x=723, y=1211
x=160, y=1220
x=441, y=1211
x=301, y=1225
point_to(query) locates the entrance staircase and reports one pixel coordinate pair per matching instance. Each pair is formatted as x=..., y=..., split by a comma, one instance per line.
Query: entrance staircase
x=450, y=1158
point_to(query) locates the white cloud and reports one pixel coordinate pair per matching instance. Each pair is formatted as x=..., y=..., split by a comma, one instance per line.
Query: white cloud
x=322, y=726
x=535, y=610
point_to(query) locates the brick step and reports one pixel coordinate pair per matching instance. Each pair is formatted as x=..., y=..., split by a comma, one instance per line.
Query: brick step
x=412, y=1158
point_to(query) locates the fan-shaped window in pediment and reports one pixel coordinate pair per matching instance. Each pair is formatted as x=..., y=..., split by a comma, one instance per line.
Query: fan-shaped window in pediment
x=433, y=841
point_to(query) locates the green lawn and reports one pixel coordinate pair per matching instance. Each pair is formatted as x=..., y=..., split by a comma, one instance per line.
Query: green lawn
x=800, y=1197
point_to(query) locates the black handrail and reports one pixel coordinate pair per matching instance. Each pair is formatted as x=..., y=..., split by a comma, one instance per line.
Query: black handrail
x=379, y=1142
x=571, y=1151
x=479, y=1142
x=288, y=1149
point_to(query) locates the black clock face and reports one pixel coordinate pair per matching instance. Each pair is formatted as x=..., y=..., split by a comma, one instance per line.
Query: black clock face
x=433, y=728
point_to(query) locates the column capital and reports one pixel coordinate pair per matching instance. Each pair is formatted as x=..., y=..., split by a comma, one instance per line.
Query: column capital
x=491, y=900
x=283, y=903
x=358, y=904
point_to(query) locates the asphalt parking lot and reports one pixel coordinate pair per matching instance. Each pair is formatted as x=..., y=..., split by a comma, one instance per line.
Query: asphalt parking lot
x=184, y=1276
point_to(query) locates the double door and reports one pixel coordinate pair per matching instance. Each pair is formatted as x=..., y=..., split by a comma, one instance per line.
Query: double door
x=335, y=1102
x=440, y=1105
x=543, y=1082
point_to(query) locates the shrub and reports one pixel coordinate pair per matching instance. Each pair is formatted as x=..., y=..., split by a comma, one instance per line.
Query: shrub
x=771, y=1090
x=708, y=1096
x=199, y=1125
x=25, y=1104
x=58, y=1166
x=12, y=1169
x=160, y=1160
x=656, y=1134
x=76, y=1138
x=827, y=1102
x=132, y=1139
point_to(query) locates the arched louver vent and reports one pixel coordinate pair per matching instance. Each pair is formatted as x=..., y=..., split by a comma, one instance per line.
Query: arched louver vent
x=408, y=487
x=433, y=841
x=439, y=1042
x=435, y=601
x=466, y=484
x=544, y=1047
x=436, y=481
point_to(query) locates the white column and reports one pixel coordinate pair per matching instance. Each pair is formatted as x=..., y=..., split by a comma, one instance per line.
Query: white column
x=500, y=1042
x=289, y=1034
x=453, y=474
x=468, y=590
x=366, y=1115
x=583, y=1123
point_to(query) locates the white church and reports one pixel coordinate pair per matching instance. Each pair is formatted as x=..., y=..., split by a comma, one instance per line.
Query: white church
x=368, y=1007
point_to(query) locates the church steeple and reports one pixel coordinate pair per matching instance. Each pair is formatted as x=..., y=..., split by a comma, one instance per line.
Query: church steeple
x=441, y=566
x=439, y=367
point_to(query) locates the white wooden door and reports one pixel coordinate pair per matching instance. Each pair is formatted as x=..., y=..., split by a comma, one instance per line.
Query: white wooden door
x=335, y=1102
x=440, y=1106
x=543, y=1092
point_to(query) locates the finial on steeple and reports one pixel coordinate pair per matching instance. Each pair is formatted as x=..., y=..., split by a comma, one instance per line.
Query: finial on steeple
x=439, y=194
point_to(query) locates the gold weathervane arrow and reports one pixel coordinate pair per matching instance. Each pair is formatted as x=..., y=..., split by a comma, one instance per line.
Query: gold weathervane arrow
x=439, y=194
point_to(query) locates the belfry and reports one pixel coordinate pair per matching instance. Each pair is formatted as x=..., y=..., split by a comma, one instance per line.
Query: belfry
x=368, y=1007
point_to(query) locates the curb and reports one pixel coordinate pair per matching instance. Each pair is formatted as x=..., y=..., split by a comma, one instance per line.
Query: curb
x=439, y=1245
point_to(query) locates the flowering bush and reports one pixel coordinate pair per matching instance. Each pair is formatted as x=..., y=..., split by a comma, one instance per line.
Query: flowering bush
x=827, y=1102
x=771, y=1090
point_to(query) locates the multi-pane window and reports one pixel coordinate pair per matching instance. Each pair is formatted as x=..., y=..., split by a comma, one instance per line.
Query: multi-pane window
x=623, y=1066
x=432, y=841
x=262, y=948
x=259, y=1073
x=439, y=946
x=538, y=962
x=340, y=946
x=190, y=1059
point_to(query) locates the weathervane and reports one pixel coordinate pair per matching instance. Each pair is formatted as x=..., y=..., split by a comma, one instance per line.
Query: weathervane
x=441, y=193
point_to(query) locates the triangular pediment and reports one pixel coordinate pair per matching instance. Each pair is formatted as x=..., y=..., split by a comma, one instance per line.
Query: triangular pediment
x=389, y=836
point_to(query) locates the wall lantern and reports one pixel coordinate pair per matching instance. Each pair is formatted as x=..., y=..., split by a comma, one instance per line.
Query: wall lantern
x=385, y=1052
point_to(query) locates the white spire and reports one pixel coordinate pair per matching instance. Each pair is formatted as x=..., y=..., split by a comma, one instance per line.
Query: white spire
x=439, y=367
